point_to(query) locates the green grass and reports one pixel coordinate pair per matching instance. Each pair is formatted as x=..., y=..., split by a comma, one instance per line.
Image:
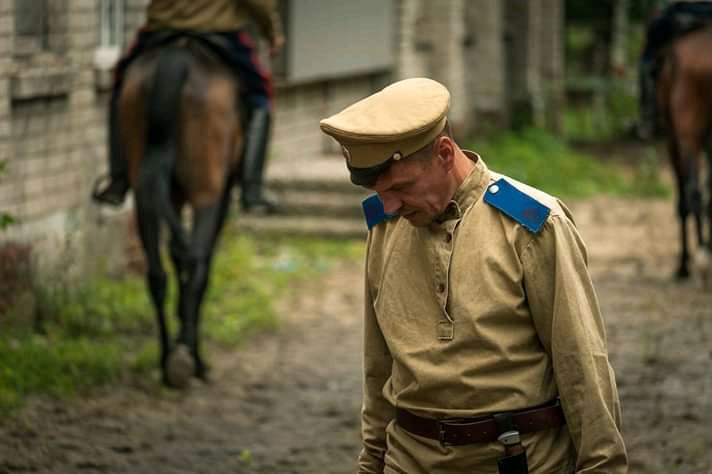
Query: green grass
x=103, y=330
x=547, y=162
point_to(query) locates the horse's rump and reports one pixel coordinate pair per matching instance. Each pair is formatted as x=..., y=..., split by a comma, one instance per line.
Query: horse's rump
x=685, y=85
x=206, y=124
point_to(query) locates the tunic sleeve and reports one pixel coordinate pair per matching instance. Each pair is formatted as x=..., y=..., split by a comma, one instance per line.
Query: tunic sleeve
x=568, y=320
x=376, y=411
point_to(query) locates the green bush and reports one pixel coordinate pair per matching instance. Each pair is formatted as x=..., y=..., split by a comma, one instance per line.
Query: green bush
x=601, y=105
x=610, y=115
x=545, y=161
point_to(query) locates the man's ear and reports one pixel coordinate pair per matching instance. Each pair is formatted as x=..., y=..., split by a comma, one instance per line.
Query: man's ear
x=445, y=151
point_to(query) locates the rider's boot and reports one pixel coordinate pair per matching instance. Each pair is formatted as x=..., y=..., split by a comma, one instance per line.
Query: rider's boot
x=113, y=192
x=253, y=161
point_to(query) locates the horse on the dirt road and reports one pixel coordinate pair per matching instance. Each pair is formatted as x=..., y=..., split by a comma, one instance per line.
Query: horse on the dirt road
x=684, y=95
x=182, y=135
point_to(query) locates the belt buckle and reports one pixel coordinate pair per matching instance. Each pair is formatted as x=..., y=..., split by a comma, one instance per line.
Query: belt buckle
x=445, y=422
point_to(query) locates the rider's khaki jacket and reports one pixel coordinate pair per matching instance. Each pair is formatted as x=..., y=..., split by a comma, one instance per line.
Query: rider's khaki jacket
x=214, y=15
x=476, y=315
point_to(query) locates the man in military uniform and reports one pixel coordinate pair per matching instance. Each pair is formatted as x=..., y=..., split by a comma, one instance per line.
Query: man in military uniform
x=484, y=344
x=224, y=23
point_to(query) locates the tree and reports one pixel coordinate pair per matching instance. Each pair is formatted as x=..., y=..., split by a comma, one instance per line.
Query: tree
x=608, y=22
x=619, y=34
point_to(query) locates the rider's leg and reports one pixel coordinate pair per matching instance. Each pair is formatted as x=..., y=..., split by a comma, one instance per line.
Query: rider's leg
x=257, y=86
x=253, y=162
x=115, y=191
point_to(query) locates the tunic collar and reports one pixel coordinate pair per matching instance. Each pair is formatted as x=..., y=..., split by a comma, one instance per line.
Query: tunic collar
x=469, y=190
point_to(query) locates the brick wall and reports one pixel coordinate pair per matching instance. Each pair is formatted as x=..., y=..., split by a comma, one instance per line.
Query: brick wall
x=298, y=110
x=9, y=198
x=53, y=134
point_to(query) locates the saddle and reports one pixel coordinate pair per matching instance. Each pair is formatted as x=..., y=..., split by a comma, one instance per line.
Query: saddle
x=213, y=41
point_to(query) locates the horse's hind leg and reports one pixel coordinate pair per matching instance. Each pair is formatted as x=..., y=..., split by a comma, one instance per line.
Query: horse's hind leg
x=180, y=365
x=149, y=231
x=693, y=189
x=206, y=222
x=683, y=207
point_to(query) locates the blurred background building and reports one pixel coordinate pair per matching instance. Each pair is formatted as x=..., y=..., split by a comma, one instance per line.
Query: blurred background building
x=502, y=61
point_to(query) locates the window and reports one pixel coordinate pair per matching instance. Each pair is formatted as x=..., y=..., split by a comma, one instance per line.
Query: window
x=327, y=39
x=39, y=47
x=40, y=26
x=31, y=27
x=111, y=39
x=111, y=23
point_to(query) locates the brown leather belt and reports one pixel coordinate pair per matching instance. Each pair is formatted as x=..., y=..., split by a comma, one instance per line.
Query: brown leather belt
x=459, y=431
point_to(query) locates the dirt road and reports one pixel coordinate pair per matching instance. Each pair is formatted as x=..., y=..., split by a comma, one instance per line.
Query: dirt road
x=289, y=402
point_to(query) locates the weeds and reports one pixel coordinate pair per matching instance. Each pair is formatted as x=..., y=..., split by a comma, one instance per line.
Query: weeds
x=99, y=330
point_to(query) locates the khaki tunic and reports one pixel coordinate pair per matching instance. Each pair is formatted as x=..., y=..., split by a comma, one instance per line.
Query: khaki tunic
x=476, y=315
x=214, y=15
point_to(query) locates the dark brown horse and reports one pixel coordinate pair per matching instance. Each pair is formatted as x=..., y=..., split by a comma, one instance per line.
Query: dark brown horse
x=182, y=136
x=684, y=97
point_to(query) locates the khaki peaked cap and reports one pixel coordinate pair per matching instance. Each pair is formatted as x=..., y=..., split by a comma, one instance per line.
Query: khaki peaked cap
x=391, y=124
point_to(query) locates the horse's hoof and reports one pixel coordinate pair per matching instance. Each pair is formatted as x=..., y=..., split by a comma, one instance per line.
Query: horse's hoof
x=682, y=274
x=180, y=367
x=205, y=379
x=203, y=374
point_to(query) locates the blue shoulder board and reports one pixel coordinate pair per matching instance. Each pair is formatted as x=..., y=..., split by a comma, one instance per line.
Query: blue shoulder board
x=524, y=209
x=374, y=212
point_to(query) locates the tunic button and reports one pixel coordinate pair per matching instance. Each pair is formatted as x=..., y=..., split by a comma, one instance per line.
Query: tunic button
x=494, y=189
x=441, y=287
x=448, y=238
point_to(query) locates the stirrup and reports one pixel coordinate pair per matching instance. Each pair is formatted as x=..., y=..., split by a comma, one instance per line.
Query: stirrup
x=108, y=194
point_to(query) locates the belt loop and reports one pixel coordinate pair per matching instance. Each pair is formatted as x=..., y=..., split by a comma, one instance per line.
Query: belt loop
x=441, y=433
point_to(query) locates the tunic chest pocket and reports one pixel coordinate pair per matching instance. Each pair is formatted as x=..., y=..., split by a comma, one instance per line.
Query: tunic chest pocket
x=407, y=311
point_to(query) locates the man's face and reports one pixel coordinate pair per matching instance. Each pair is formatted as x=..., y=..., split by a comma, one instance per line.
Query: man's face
x=415, y=189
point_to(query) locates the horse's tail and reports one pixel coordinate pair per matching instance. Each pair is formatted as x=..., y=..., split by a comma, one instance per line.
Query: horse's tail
x=163, y=113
